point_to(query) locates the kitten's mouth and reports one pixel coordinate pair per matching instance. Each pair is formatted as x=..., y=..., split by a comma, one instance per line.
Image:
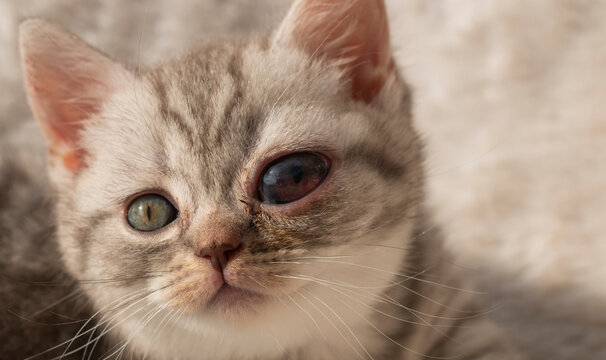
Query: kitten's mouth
x=229, y=297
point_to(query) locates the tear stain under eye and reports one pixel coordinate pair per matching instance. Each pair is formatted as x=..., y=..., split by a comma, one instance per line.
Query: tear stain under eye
x=253, y=206
x=184, y=218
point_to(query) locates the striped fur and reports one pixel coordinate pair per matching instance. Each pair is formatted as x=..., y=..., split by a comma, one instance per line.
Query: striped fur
x=358, y=274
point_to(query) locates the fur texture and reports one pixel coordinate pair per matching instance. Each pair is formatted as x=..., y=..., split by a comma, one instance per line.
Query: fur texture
x=351, y=258
x=473, y=78
x=200, y=130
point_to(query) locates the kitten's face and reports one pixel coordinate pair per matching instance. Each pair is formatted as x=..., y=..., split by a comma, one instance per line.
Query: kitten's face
x=200, y=135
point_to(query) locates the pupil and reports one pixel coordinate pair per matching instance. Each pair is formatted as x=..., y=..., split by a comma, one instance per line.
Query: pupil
x=297, y=173
x=150, y=212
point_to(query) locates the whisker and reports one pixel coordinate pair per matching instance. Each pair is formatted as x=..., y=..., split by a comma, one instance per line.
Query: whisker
x=43, y=323
x=346, y=326
x=147, y=318
x=161, y=326
x=95, y=281
x=378, y=296
x=106, y=329
x=308, y=315
x=256, y=281
x=89, y=341
x=140, y=45
x=282, y=347
x=406, y=276
x=391, y=339
x=333, y=325
x=338, y=283
x=107, y=323
x=75, y=293
x=413, y=312
x=120, y=302
x=70, y=341
x=354, y=298
x=475, y=314
x=151, y=275
x=375, y=297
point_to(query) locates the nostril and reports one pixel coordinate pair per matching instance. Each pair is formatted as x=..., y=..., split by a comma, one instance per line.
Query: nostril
x=230, y=253
x=219, y=255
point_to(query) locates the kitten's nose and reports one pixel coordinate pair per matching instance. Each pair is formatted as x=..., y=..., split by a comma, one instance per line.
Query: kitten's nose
x=219, y=239
x=219, y=254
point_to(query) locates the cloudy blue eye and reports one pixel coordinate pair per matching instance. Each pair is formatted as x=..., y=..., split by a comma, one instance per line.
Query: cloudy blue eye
x=150, y=212
x=292, y=177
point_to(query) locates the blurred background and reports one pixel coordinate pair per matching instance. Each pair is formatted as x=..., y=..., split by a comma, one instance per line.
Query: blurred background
x=510, y=97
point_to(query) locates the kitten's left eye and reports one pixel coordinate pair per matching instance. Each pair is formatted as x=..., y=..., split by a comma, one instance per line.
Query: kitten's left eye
x=292, y=177
x=150, y=212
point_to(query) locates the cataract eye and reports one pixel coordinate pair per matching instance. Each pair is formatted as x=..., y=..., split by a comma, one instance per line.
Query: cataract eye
x=292, y=177
x=150, y=212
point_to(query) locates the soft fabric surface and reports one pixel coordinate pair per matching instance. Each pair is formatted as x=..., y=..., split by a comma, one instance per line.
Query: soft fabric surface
x=510, y=98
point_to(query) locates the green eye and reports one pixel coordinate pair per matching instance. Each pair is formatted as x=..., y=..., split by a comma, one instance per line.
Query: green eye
x=150, y=212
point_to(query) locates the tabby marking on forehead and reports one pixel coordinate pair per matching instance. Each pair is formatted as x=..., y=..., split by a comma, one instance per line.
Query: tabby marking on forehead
x=209, y=87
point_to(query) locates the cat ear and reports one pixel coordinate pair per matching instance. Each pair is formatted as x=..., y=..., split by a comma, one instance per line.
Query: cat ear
x=354, y=33
x=67, y=81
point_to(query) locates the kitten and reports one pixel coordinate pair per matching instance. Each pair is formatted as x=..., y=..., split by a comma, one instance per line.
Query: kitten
x=253, y=200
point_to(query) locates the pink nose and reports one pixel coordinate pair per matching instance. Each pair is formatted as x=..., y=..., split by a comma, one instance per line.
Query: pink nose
x=219, y=239
x=219, y=254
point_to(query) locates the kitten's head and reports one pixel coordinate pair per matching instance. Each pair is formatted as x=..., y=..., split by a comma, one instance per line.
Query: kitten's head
x=245, y=188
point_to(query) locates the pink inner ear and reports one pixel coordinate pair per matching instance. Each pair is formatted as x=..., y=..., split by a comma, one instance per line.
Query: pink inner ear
x=67, y=83
x=354, y=32
x=59, y=101
x=61, y=115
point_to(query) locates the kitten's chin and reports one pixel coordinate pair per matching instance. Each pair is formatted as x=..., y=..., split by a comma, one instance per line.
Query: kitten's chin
x=232, y=301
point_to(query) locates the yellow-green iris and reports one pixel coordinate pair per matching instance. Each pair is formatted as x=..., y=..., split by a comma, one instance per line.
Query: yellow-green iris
x=150, y=212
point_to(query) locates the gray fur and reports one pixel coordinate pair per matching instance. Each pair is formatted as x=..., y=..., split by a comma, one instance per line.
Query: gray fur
x=32, y=277
x=196, y=128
